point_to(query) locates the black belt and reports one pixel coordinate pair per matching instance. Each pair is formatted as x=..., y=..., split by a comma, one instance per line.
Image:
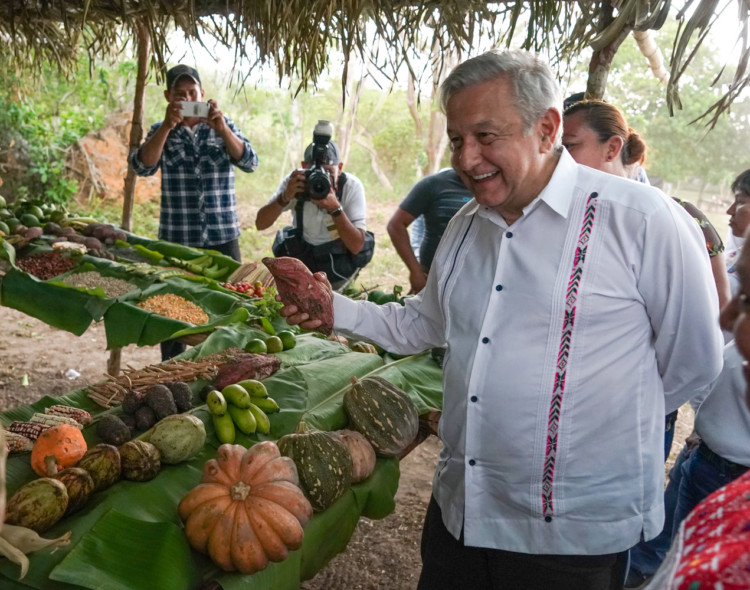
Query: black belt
x=732, y=469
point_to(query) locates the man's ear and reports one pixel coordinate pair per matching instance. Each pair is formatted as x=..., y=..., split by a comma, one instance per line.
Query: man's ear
x=166, y=95
x=203, y=93
x=341, y=166
x=547, y=126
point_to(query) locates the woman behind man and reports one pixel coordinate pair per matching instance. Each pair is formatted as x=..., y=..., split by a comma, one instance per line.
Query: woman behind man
x=596, y=134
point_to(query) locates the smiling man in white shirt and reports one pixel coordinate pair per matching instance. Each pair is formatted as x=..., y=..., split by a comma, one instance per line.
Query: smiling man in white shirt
x=577, y=309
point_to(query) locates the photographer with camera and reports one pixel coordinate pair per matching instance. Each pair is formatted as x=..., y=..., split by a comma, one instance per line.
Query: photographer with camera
x=328, y=231
x=197, y=147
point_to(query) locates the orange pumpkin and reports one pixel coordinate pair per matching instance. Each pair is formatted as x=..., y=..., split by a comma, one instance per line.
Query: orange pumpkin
x=56, y=448
x=248, y=509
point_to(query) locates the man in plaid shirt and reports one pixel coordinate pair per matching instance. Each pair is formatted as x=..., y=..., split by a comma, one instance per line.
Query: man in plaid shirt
x=197, y=156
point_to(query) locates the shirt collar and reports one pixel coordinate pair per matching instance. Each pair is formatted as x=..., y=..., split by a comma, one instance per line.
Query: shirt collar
x=559, y=190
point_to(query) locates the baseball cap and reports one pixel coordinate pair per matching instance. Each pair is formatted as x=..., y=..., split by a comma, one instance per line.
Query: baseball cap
x=177, y=72
x=332, y=153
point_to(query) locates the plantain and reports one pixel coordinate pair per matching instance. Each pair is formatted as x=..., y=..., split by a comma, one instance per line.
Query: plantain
x=216, y=402
x=262, y=421
x=243, y=419
x=224, y=428
x=267, y=404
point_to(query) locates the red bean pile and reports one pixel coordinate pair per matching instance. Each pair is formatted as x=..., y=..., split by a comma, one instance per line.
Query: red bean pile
x=45, y=265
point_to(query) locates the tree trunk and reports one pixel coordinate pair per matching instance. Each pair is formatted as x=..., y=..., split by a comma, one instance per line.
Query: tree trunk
x=136, y=129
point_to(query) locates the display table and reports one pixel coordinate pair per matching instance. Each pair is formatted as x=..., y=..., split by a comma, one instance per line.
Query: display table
x=130, y=536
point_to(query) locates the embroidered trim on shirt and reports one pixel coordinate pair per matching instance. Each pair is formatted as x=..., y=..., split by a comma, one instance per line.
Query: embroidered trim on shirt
x=558, y=390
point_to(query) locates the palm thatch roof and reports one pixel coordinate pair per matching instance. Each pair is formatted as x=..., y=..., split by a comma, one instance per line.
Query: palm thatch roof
x=295, y=36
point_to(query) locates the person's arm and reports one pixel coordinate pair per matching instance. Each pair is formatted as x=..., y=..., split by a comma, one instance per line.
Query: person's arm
x=397, y=230
x=269, y=213
x=680, y=297
x=151, y=150
x=237, y=146
x=721, y=278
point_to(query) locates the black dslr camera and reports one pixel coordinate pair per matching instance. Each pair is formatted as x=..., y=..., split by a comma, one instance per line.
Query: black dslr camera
x=319, y=181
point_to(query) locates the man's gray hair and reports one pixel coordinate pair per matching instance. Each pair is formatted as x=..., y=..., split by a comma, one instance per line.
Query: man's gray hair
x=535, y=86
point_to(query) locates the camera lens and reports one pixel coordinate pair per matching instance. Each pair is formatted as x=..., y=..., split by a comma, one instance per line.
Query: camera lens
x=318, y=183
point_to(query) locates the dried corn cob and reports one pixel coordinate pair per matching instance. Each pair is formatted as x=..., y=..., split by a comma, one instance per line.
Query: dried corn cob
x=80, y=416
x=30, y=430
x=51, y=420
x=17, y=443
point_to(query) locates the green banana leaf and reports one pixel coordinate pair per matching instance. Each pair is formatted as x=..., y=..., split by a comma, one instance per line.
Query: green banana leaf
x=130, y=536
x=57, y=306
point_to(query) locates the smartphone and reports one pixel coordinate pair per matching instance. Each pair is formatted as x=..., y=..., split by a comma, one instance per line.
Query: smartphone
x=195, y=109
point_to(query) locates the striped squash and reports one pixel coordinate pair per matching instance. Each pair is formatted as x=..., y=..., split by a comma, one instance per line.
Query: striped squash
x=323, y=464
x=383, y=413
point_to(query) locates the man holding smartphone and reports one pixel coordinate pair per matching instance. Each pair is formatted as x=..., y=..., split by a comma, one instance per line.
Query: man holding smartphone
x=197, y=156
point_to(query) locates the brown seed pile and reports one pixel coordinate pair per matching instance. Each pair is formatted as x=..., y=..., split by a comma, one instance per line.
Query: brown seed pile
x=175, y=307
x=89, y=280
x=45, y=265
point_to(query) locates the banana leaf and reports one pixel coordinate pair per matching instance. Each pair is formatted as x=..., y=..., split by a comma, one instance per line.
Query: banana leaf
x=57, y=306
x=130, y=536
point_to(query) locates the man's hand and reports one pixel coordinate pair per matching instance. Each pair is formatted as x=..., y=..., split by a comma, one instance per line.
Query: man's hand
x=294, y=187
x=417, y=280
x=173, y=115
x=215, y=118
x=296, y=317
x=328, y=204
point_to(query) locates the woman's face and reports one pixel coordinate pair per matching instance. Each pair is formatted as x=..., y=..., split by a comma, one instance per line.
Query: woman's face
x=583, y=144
x=739, y=214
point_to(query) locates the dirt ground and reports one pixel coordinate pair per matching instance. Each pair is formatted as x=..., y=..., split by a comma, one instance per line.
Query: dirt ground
x=382, y=554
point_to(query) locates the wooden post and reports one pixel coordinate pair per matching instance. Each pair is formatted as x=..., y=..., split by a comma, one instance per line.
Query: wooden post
x=136, y=136
x=136, y=129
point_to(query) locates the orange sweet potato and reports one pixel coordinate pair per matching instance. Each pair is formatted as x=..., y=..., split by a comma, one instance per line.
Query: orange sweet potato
x=297, y=286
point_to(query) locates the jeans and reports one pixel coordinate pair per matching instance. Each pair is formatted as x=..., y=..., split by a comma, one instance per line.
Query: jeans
x=702, y=474
x=669, y=426
x=697, y=473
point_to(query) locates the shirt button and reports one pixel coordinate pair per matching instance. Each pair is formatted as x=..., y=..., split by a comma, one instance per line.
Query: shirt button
x=474, y=398
x=472, y=462
x=485, y=340
x=509, y=234
x=498, y=287
x=547, y=519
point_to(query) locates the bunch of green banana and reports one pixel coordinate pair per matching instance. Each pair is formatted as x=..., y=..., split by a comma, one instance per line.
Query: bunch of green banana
x=204, y=265
x=77, y=223
x=241, y=406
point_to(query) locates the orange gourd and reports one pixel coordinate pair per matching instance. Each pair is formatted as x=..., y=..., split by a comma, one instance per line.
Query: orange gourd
x=56, y=448
x=248, y=509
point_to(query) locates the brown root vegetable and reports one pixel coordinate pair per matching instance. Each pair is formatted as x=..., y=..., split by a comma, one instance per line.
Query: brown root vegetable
x=297, y=286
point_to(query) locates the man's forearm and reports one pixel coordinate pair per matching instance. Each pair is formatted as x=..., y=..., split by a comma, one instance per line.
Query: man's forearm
x=400, y=239
x=151, y=150
x=268, y=214
x=353, y=237
x=235, y=146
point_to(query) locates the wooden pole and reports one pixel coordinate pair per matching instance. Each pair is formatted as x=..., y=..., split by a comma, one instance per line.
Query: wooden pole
x=136, y=136
x=136, y=128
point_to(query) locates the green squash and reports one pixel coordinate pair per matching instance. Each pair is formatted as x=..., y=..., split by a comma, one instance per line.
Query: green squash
x=323, y=464
x=383, y=413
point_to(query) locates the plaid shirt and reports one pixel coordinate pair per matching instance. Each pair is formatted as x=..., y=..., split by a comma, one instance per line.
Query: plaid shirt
x=198, y=204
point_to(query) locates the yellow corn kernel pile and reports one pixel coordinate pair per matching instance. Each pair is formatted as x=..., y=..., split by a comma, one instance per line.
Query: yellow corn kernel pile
x=175, y=307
